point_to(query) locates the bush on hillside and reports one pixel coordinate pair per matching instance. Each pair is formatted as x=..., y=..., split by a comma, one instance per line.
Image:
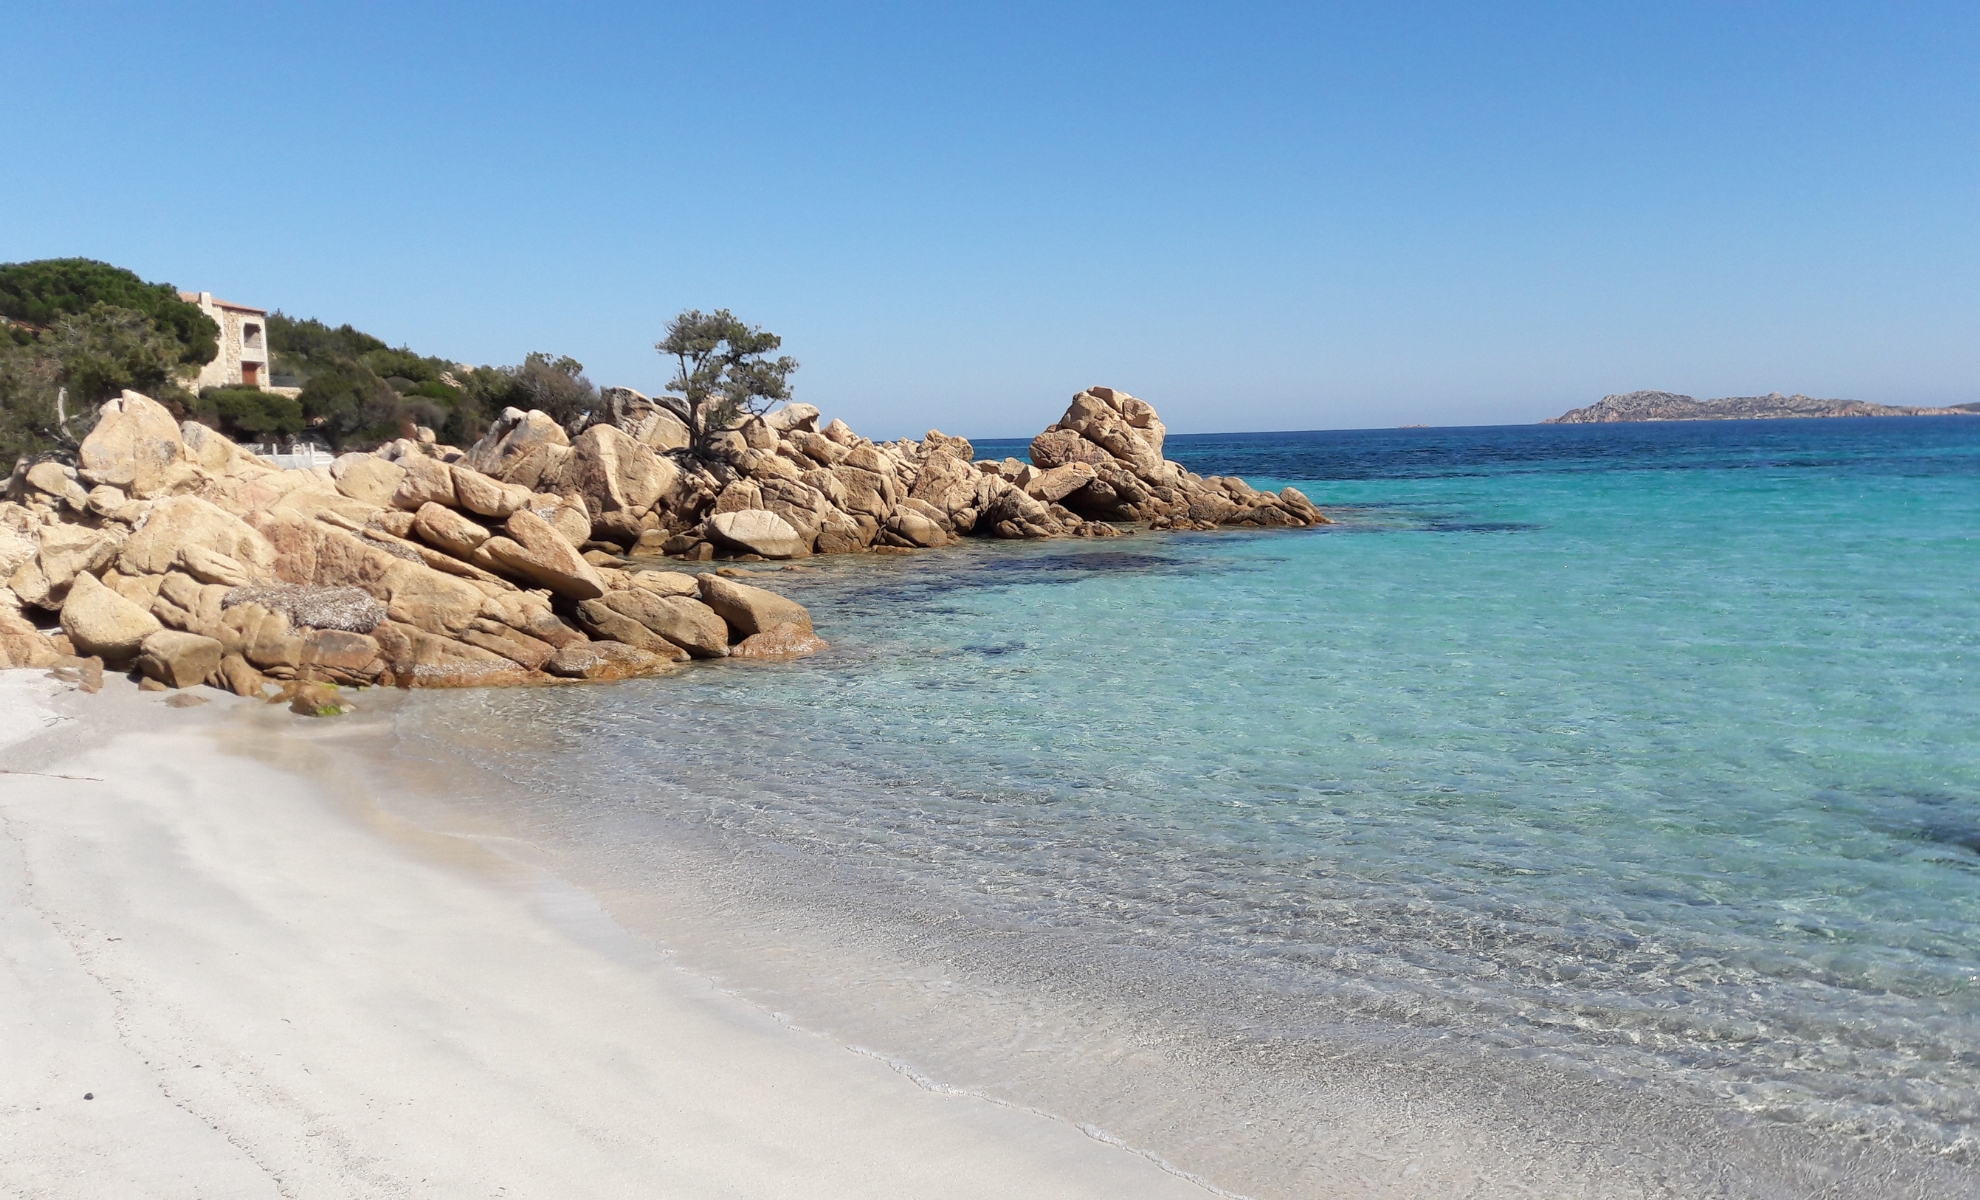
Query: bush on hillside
x=51, y=388
x=249, y=414
x=42, y=292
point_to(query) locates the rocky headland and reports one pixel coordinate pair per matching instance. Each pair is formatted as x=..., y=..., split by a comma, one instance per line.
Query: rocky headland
x=1669, y=406
x=531, y=556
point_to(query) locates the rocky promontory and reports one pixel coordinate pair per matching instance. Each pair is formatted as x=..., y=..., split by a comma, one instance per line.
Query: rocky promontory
x=1669, y=406
x=533, y=555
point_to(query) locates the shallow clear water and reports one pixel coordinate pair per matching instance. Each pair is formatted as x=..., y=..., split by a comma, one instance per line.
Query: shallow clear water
x=1645, y=753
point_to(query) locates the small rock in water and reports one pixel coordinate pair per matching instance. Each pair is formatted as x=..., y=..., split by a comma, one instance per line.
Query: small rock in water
x=184, y=700
x=89, y=1095
x=315, y=700
x=148, y=684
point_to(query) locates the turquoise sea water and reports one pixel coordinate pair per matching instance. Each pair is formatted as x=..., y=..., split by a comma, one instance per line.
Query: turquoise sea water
x=1647, y=754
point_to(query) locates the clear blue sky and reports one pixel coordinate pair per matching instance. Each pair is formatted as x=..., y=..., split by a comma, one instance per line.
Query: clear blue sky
x=1256, y=216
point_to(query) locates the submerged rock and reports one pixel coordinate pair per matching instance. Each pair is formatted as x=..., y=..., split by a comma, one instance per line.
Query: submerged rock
x=606, y=660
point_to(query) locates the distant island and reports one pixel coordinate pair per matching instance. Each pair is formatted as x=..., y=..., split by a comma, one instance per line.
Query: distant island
x=1669, y=406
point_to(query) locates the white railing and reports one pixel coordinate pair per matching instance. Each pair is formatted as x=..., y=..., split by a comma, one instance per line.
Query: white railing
x=305, y=455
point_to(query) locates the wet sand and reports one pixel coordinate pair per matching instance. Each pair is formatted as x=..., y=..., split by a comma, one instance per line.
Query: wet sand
x=227, y=978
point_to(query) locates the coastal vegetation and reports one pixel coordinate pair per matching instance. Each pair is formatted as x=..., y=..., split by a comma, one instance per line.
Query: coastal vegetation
x=76, y=332
x=359, y=392
x=725, y=373
x=34, y=295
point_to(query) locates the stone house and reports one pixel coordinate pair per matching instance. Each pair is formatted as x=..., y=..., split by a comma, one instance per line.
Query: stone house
x=243, y=360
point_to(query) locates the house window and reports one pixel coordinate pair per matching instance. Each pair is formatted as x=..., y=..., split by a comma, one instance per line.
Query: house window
x=251, y=335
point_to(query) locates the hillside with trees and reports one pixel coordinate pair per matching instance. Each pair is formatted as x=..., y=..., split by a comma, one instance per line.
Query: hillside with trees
x=76, y=332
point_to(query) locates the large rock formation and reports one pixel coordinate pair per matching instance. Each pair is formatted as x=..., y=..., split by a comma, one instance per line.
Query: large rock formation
x=429, y=566
x=193, y=561
x=1103, y=461
x=779, y=486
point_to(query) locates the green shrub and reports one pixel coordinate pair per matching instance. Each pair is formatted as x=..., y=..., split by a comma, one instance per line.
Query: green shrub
x=44, y=291
x=433, y=389
x=250, y=414
x=404, y=364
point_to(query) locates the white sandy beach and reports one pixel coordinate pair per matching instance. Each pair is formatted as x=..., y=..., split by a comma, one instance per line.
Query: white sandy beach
x=269, y=990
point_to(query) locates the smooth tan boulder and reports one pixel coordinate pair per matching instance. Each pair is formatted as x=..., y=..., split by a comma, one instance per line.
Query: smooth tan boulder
x=793, y=417
x=416, y=658
x=214, y=452
x=367, y=477
x=1059, y=482
x=445, y=529
x=517, y=435
x=602, y=621
x=1056, y=447
x=803, y=507
x=868, y=492
x=946, y=481
x=136, y=446
x=427, y=481
x=238, y=677
x=178, y=659
x=179, y=521
x=616, y=472
x=183, y=602
x=606, y=660
x=29, y=649
x=266, y=639
x=757, y=531
x=14, y=618
x=211, y=566
x=100, y=622
x=682, y=620
x=19, y=537
x=1296, y=502
x=818, y=447
x=141, y=590
x=320, y=501
x=917, y=528
x=658, y=427
x=479, y=494
x=842, y=534
x=65, y=552
x=565, y=514
x=750, y=610
x=58, y=483
x=520, y=648
x=540, y=554
x=417, y=595
x=339, y=650
x=667, y=583
x=530, y=613
x=1095, y=416
x=112, y=505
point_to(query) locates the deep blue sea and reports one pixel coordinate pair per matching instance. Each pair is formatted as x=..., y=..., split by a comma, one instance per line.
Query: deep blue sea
x=1636, y=758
